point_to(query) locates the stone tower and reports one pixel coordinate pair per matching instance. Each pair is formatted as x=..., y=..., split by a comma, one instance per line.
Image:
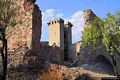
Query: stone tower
x=60, y=34
x=67, y=39
x=68, y=32
x=56, y=32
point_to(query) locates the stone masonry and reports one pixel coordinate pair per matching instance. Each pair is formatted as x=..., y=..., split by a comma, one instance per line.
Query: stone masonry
x=24, y=38
x=88, y=58
x=60, y=35
x=88, y=16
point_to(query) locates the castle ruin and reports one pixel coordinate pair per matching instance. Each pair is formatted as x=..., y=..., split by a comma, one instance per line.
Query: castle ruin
x=25, y=52
x=60, y=35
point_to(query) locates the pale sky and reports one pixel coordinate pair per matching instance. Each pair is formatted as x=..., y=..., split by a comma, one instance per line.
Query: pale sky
x=71, y=10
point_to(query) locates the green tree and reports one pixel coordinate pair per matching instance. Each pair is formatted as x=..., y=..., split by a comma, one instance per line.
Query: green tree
x=92, y=33
x=7, y=14
x=105, y=32
x=111, y=36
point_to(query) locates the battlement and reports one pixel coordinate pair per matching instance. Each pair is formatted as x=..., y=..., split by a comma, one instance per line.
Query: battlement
x=55, y=21
x=68, y=24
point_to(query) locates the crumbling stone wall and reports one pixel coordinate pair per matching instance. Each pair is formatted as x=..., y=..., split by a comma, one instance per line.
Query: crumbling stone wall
x=36, y=27
x=24, y=40
x=88, y=16
x=25, y=36
x=21, y=34
x=85, y=54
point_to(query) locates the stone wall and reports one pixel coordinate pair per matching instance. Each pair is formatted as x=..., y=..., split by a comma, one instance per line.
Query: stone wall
x=88, y=16
x=84, y=54
x=19, y=35
x=24, y=40
x=53, y=54
x=25, y=36
x=36, y=27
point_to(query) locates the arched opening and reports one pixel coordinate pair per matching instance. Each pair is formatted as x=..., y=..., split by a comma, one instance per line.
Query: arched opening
x=106, y=64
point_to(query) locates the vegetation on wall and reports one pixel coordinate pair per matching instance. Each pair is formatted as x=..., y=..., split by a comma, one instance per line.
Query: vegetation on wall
x=107, y=32
x=92, y=33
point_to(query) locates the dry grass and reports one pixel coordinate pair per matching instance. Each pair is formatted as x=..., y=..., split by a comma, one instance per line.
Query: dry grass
x=52, y=74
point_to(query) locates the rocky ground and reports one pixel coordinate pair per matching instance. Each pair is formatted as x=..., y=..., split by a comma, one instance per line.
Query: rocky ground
x=61, y=72
x=99, y=66
x=91, y=68
x=76, y=73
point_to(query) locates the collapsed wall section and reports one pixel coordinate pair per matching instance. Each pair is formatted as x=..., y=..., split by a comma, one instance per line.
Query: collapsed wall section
x=25, y=36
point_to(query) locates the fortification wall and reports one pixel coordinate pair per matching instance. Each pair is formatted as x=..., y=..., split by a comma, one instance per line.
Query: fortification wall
x=24, y=38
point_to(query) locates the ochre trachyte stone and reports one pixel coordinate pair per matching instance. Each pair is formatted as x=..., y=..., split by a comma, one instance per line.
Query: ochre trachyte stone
x=24, y=38
x=21, y=34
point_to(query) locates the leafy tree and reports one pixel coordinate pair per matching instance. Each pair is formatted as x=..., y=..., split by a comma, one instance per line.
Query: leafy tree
x=105, y=32
x=7, y=14
x=92, y=33
x=111, y=33
x=111, y=36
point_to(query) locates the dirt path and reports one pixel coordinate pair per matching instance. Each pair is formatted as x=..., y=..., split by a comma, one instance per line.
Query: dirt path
x=94, y=74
